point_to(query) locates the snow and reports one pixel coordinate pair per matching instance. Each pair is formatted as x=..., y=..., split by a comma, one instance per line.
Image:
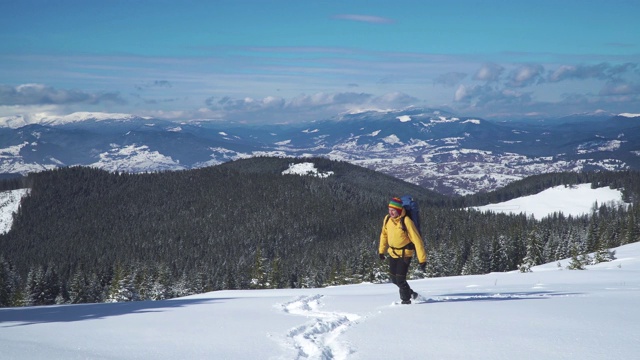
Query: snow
x=19, y=121
x=596, y=146
x=392, y=140
x=404, y=118
x=550, y=312
x=575, y=201
x=12, y=150
x=306, y=168
x=135, y=158
x=630, y=115
x=9, y=204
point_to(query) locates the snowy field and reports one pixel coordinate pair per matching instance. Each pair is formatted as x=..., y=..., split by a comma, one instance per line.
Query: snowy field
x=575, y=200
x=550, y=313
x=546, y=314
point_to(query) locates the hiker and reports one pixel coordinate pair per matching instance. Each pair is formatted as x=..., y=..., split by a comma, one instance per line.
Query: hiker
x=400, y=239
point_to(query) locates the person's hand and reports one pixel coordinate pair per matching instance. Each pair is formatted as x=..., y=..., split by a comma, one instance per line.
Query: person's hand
x=381, y=256
x=423, y=266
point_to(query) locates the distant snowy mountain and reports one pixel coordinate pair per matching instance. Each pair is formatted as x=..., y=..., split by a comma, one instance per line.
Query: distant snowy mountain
x=432, y=148
x=19, y=121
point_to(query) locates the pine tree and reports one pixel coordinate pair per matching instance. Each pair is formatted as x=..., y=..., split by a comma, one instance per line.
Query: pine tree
x=51, y=288
x=258, y=274
x=500, y=254
x=632, y=233
x=34, y=293
x=578, y=261
x=475, y=263
x=9, y=284
x=123, y=286
x=603, y=254
x=161, y=285
x=534, y=252
x=276, y=277
x=594, y=232
x=181, y=286
x=79, y=288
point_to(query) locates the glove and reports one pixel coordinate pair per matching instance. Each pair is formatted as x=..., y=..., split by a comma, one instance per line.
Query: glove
x=381, y=256
x=423, y=266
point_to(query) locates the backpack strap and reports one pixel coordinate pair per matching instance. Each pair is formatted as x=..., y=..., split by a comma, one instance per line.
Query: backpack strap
x=410, y=245
x=404, y=227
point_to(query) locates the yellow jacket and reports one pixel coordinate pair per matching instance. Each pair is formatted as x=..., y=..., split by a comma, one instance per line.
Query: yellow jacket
x=393, y=238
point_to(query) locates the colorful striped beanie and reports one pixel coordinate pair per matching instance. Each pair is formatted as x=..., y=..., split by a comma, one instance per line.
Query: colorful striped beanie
x=396, y=203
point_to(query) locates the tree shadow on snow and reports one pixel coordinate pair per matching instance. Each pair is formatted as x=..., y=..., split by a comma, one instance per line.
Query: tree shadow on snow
x=79, y=312
x=497, y=296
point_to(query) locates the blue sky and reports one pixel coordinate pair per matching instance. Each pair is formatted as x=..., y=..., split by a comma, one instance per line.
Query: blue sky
x=286, y=61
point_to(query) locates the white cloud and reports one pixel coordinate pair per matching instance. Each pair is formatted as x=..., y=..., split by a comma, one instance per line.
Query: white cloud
x=489, y=72
x=526, y=75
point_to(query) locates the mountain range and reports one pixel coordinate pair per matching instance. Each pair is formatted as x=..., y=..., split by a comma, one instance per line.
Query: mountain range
x=432, y=148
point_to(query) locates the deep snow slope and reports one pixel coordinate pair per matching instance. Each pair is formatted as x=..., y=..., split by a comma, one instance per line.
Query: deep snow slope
x=548, y=313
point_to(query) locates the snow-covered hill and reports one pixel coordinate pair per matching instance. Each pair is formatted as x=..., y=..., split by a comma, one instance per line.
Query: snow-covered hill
x=9, y=204
x=573, y=200
x=551, y=312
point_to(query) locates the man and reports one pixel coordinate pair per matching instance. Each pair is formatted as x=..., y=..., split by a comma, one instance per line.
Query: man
x=400, y=239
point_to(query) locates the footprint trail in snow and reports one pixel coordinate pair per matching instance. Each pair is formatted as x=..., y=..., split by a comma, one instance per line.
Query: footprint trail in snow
x=318, y=338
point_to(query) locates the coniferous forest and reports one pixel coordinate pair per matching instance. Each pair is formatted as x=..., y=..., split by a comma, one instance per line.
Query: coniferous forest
x=87, y=235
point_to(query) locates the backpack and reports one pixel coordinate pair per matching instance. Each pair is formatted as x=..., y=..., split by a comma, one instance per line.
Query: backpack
x=412, y=210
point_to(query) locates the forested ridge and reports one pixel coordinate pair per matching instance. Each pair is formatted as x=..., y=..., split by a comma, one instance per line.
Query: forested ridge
x=87, y=235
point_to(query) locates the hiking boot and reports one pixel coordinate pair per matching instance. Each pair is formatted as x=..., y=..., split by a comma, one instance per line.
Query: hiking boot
x=406, y=302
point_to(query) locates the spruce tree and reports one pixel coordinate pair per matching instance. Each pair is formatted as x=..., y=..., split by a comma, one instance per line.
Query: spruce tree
x=534, y=252
x=35, y=288
x=9, y=284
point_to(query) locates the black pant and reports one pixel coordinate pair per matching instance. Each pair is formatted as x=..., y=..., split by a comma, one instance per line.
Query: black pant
x=398, y=269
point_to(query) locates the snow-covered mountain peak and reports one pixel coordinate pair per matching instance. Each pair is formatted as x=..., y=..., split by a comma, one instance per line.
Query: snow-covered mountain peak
x=14, y=122
x=629, y=115
x=98, y=116
x=45, y=118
